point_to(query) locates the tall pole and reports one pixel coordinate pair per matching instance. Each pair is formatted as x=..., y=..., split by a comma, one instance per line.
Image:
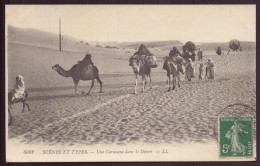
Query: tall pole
x=60, y=34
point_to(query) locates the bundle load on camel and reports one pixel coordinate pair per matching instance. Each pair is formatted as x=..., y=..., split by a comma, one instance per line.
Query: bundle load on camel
x=150, y=59
x=143, y=50
x=234, y=44
x=178, y=60
x=189, y=50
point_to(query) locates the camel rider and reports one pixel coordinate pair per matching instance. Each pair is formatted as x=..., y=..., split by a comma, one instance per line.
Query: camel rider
x=174, y=52
x=87, y=60
x=19, y=88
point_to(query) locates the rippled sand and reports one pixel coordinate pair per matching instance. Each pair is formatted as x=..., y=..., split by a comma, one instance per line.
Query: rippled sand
x=187, y=114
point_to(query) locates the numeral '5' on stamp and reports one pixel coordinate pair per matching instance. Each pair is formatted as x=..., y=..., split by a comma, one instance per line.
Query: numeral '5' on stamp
x=235, y=135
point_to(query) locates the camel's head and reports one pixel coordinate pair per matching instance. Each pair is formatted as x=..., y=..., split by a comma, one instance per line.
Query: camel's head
x=56, y=67
x=167, y=60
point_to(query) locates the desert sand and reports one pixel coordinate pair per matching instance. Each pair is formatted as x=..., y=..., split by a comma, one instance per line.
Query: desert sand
x=117, y=116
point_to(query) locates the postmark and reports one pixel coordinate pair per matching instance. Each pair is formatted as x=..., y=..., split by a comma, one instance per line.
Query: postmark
x=236, y=136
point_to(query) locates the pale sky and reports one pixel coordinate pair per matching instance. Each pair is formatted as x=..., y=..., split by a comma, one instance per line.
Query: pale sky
x=198, y=23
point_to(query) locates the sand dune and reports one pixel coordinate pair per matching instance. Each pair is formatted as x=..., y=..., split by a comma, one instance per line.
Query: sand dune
x=188, y=114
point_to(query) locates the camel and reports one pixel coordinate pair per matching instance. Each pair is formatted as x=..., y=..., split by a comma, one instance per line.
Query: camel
x=173, y=73
x=22, y=99
x=80, y=72
x=234, y=45
x=140, y=68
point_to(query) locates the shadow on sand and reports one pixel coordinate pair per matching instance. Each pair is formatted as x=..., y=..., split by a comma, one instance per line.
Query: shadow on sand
x=126, y=89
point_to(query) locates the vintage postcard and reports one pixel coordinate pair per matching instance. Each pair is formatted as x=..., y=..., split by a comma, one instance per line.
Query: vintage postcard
x=130, y=83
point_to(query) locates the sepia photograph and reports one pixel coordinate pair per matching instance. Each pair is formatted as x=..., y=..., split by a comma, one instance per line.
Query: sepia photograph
x=130, y=83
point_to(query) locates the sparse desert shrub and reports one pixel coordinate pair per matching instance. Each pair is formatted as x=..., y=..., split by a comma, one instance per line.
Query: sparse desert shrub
x=113, y=47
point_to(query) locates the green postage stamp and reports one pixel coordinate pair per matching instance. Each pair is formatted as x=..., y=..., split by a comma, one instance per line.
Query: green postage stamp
x=235, y=136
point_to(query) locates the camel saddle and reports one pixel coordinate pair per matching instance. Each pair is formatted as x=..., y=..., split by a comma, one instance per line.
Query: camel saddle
x=150, y=61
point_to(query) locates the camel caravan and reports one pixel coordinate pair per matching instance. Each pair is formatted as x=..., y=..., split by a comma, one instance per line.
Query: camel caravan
x=142, y=62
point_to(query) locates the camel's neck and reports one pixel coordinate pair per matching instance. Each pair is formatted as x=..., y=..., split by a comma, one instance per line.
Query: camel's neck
x=136, y=67
x=64, y=73
x=139, y=68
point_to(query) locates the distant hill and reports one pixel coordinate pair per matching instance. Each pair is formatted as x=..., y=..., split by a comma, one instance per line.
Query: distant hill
x=225, y=45
x=51, y=40
x=43, y=39
x=32, y=37
x=135, y=45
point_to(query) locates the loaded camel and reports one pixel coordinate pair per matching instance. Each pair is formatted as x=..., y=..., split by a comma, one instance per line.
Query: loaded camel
x=234, y=45
x=141, y=62
x=83, y=70
x=173, y=72
x=141, y=68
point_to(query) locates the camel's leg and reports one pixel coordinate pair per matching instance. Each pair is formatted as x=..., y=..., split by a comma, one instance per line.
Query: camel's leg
x=178, y=78
x=76, y=81
x=92, y=84
x=150, y=81
x=206, y=74
x=144, y=82
x=173, y=82
x=100, y=83
x=169, y=82
x=23, y=106
x=27, y=106
x=136, y=83
x=11, y=117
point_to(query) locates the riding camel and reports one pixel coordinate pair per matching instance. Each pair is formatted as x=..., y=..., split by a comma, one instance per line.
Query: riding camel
x=84, y=70
x=22, y=98
x=173, y=72
x=18, y=94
